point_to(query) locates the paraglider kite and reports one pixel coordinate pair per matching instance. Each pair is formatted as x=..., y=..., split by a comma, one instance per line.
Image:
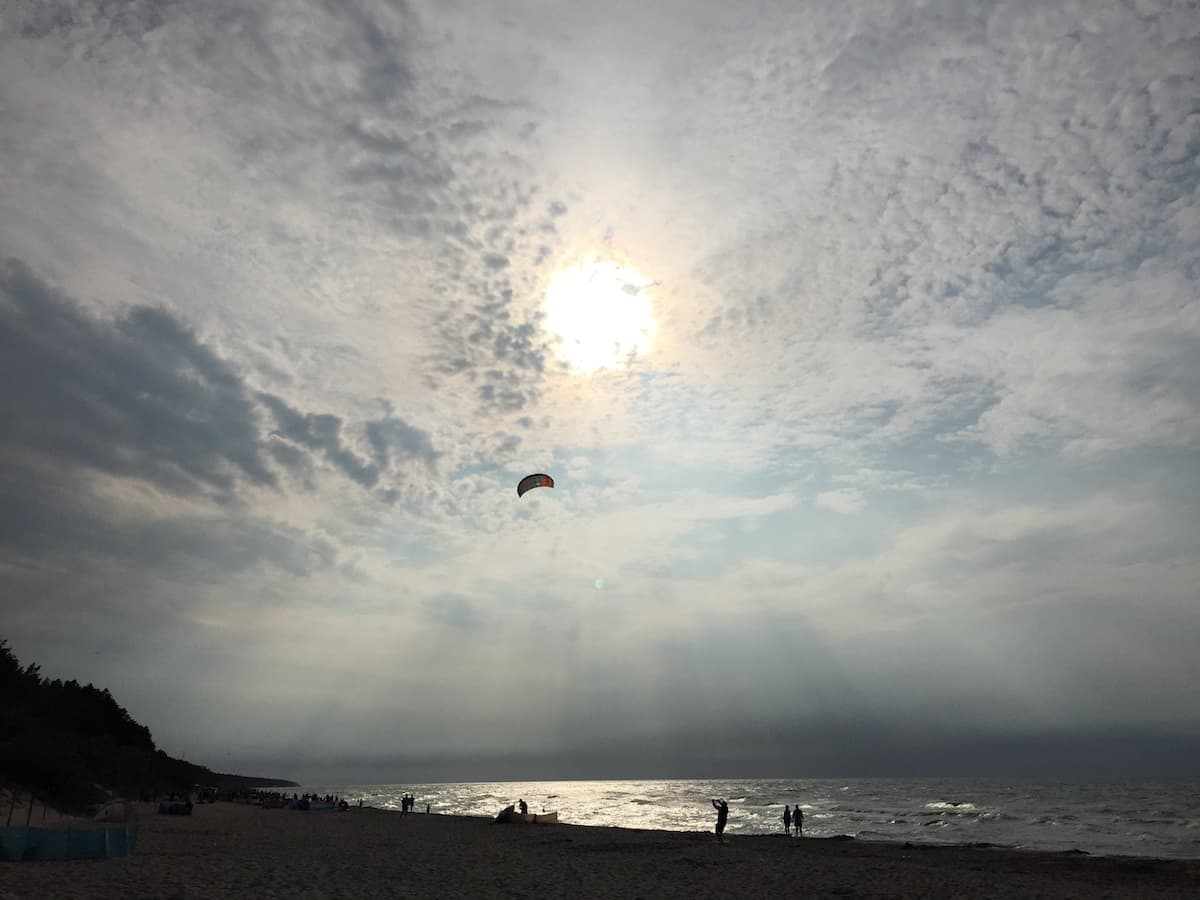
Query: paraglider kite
x=529, y=482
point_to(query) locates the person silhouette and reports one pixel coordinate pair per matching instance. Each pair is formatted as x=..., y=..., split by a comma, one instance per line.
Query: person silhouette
x=787, y=820
x=798, y=821
x=524, y=807
x=722, y=809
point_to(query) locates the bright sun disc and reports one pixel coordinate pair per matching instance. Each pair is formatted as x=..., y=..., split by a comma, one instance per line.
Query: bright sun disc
x=600, y=313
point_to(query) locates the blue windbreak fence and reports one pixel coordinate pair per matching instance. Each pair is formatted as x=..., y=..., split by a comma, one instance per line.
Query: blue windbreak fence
x=17, y=843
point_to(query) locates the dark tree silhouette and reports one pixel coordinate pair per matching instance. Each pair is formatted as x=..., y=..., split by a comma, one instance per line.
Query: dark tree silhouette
x=72, y=745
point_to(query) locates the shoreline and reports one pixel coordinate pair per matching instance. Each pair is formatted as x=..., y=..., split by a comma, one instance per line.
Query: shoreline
x=731, y=836
x=237, y=850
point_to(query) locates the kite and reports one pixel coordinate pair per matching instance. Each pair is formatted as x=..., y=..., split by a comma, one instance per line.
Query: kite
x=529, y=482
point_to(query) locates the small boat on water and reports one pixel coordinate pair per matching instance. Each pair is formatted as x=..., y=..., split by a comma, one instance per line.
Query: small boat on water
x=546, y=818
x=510, y=815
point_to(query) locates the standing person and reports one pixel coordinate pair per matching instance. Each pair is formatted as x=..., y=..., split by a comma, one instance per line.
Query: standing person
x=799, y=821
x=524, y=807
x=787, y=820
x=722, y=809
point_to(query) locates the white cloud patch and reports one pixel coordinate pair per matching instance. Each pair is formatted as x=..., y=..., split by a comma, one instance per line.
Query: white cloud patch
x=845, y=501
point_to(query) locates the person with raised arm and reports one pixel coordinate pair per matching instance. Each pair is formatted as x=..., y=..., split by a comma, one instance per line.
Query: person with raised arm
x=722, y=809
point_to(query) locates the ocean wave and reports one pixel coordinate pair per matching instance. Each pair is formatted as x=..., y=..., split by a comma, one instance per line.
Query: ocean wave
x=1054, y=816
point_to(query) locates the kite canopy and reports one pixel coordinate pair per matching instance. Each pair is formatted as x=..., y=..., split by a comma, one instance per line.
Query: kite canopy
x=529, y=482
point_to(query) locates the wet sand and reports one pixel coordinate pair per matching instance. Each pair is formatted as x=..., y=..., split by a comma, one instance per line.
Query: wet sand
x=231, y=850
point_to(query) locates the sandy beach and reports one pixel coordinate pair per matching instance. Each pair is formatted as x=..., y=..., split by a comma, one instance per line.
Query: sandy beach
x=232, y=850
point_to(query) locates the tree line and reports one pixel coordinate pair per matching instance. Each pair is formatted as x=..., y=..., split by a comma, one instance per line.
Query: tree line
x=73, y=745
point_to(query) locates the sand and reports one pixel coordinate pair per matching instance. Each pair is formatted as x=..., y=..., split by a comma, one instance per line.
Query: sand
x=232, y=850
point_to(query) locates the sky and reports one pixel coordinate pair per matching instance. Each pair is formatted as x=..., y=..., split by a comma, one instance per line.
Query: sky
x=862, y=342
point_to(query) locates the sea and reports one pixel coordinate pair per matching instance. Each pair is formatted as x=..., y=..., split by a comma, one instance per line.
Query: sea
x=1134, y=818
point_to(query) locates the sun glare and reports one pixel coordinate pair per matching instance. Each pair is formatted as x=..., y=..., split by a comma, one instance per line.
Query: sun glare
x=600, y=314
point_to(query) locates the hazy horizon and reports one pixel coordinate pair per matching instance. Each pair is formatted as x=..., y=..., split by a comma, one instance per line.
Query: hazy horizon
x=1108, y=756
x=862, y=343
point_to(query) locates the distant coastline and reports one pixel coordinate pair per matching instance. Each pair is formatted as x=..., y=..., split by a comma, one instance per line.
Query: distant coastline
x=247, y=782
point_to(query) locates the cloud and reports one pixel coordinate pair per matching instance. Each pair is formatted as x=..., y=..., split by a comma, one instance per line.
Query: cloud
x=846, y=500
x=453, y=610
x=320, y=432
x=393, y=437
x=133, y=440
x=1112, y=371
x=910, y=237
x=139, y=396
x=391, y=441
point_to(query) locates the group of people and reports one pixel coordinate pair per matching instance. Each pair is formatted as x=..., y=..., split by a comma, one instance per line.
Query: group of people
x=790, y=819
x=406, y=804
x=314, y=797
x=793, y=818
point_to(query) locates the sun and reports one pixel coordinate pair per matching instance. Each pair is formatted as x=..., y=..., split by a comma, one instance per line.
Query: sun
x=599, y=314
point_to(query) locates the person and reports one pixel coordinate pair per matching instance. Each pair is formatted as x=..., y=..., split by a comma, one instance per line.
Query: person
x=722, y=809
x=798, y=819
x=524, y=807
x=426, y=809
x=787, y=820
